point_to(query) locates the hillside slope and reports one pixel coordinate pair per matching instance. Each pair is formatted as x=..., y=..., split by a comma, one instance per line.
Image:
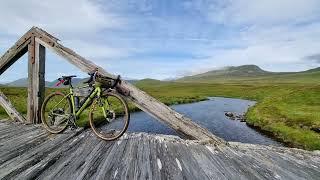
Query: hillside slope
x=23, y=82
x=254, y=74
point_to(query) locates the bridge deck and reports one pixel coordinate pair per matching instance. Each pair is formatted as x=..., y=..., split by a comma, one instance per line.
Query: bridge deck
x=28, y=152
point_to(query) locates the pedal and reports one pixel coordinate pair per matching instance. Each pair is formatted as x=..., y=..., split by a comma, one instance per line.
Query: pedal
x=72, y=127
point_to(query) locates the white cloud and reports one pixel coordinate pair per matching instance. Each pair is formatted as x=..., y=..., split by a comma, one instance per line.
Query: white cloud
x=283, y=47
x=58, y=16
x=96, y=50
x=269, y=33
x=215, y=33
x=263, y=12
x=78, y=23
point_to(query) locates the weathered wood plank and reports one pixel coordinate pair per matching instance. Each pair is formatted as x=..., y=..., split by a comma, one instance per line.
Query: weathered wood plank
x=9, y=108
x=15, y=166
x=50, y=158
x=81, y=155
x=16, y=51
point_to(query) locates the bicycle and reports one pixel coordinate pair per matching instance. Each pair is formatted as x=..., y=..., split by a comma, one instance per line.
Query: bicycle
x=109, y=114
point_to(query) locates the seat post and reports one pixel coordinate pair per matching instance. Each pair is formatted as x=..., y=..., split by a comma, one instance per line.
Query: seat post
x=70, y=83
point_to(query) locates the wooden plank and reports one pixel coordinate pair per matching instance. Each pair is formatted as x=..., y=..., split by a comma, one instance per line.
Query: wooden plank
x=145, y=156
x=11, y=111
x=145, y=102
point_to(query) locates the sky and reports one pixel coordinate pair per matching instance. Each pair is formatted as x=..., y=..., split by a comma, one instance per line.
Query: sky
x=164, y=39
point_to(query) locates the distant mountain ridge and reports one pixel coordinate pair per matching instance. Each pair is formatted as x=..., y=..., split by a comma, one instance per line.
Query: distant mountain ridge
x=245, y=70
x=247, y=73
x=23, y=82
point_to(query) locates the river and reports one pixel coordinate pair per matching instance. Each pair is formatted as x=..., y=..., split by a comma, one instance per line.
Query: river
x=211, y=115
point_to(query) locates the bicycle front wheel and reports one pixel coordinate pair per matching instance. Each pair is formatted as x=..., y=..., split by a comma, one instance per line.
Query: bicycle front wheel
x=109, y=116
x=55, y=112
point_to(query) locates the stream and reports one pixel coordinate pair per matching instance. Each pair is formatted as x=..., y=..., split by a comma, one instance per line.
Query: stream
x=211, y=115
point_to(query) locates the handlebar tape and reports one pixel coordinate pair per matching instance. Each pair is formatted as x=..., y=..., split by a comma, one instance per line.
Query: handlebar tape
x=60, y=82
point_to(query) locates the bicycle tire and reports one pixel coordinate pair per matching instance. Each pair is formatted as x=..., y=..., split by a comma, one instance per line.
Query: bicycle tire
x=43, y=113
x=125, y=118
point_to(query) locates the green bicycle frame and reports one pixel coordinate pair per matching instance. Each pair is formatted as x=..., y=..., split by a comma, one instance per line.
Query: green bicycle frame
x=96, y=93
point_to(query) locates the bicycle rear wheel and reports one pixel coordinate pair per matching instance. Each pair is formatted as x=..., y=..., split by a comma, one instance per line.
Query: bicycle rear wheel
x=55, y=112
x=109, y=116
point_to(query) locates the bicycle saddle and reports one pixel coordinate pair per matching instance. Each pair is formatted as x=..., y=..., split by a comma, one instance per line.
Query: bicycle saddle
x=68, y=77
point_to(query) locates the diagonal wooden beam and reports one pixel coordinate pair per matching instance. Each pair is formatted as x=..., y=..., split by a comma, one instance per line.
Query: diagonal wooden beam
x=145, y=102
x=16, y=51
x=9, y=108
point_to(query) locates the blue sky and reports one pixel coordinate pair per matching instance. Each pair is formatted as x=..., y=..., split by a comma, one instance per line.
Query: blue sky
x=168, y=38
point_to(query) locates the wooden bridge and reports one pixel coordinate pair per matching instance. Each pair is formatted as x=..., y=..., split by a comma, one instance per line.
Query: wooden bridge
x=28, y=152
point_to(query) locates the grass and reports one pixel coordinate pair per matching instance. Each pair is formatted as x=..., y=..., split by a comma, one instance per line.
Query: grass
x=286, y=110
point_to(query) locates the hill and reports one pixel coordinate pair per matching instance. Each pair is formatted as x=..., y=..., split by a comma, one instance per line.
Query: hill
x=243, y=71
x=147, y=81
x=23, y=82
x=254, y=74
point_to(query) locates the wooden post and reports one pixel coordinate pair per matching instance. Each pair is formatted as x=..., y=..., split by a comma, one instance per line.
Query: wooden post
x=36, y=80
x=30, y=111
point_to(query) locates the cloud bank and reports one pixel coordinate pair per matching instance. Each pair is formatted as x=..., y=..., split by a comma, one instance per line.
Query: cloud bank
x=163, y=39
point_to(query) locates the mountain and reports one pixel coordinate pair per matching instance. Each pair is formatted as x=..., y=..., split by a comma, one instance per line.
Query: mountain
x=23, y=82
x=147, y=81
x=253, y=73
x=75, y=82
x=312, y=70
x=229, y=72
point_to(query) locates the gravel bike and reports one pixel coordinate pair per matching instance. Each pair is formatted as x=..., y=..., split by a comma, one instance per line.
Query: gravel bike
x=108, y=116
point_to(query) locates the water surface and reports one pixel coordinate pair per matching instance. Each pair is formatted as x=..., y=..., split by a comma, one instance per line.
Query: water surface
x=209, y=114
